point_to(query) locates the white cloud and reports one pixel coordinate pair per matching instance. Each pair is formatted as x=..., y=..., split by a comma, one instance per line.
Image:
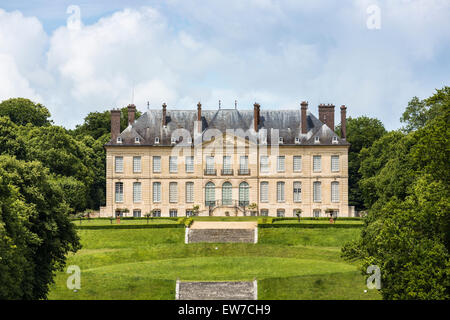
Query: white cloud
x=274, y=52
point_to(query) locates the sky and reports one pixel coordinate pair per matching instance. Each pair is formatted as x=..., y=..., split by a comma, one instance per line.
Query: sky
x=77, y=57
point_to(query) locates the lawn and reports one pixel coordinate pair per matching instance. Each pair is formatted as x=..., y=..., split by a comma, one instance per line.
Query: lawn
x=289, y=263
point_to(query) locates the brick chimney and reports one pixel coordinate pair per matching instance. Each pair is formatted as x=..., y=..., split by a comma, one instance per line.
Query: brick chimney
x=131, y=113
x=326, y=115
x=304, y=107
x=115, y=124
x=199, y=116
x=343, y=122
x=256, y=116
x=164, y=113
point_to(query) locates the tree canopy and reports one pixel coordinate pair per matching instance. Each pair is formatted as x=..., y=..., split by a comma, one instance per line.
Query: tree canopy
x=405, y=185
x=24, y=111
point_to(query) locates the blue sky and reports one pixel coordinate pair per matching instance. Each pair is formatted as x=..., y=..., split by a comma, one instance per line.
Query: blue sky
x=277, y=53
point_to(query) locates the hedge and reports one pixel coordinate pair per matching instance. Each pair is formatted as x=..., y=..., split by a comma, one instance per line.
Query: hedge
x=139, y=226
x=307, y=225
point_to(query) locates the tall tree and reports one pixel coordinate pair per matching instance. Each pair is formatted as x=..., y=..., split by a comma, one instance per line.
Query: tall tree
x=405, y=183
x=35, y=232
x=24, y=111
x=362, y=132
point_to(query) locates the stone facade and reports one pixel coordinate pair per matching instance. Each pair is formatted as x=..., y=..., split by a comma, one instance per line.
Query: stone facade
x=276, y=203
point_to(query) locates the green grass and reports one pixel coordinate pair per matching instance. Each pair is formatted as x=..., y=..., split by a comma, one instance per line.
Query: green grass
x=289, y=263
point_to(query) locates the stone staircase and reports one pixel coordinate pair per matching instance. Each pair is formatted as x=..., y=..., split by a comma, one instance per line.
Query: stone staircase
x=239, y=290
x=221, y=235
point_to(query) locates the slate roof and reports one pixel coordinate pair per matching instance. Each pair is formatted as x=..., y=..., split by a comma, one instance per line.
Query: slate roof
x=288, y=122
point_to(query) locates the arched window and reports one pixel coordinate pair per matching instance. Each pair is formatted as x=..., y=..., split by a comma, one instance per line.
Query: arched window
x=227, y=194
x=243, y=194
x=210, y=194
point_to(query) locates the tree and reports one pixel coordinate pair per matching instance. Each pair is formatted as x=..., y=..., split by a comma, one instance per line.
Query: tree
x=10, y=141
x=23, y=111
x=419, y=112
x=97, y=124
x=405, y=182
x=362, y=132
x=35, y=232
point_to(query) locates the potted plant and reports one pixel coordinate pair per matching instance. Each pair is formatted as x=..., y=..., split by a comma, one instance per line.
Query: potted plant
x=148, y=215
x=298, y=213
x=195, y=210
x=253, y=207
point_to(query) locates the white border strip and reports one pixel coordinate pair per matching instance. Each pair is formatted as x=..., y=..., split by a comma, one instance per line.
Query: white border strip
x=186, y=236
x=177, y=290
x=256, y=235
x=255, y=289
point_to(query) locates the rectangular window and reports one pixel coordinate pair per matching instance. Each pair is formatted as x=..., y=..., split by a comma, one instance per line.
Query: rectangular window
x=136, y=164
x=173, y=164
x=297, y=163
x=335, y=191
x=119, y=164
x=156, y=191
x=189, y=192
x=297, y=191
x=243, y=164
x=119, y=191
x=210, y=166
x=317, y=191
x=173, y=213
x=173, y=192
x=334, y=163
x=137, y=213
x=280, y=164
x=280, y=191
x=280, y=213
x=264, y=212
x=227, y=163
x=157, y=164
x=137, y=195
x=189, y=213
x=190, y=164
x=264, y=191
x=317, y=163
x=264, y=164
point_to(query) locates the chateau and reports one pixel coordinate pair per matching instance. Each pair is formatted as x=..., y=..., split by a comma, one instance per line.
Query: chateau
x=227, y=162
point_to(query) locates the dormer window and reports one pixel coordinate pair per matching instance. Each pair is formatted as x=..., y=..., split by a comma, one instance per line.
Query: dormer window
x=316, y=140
x=335, y=139
x=156, y=140
x=280, y=140
x=173, y=140
x=297, y=140
x=137, y=140
x=119, y=139
x=189, y=141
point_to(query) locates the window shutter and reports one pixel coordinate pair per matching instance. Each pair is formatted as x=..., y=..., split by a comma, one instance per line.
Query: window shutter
x=136, y=164
x=173, y=192
x=317, y=163
x=119, y=164
x=335, y=191
x=297, y=163
x=317, y=191
x=334, y=163
x=157, y=164
x=137, y=194
x=264, y=191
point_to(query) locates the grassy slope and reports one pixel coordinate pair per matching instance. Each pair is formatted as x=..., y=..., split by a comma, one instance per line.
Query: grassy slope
x=144, y=264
